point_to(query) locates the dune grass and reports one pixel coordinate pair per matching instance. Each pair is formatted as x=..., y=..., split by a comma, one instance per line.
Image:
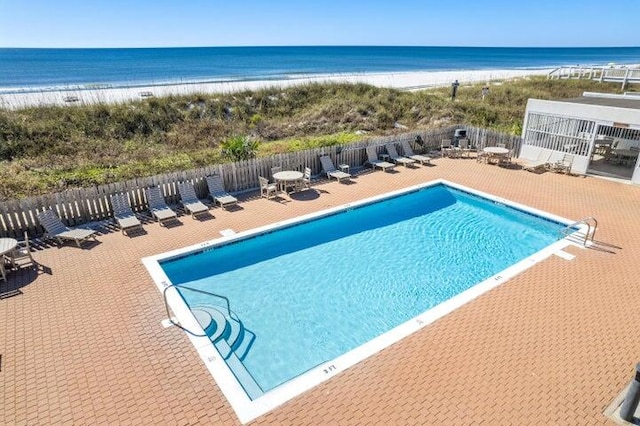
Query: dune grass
x=47, y=149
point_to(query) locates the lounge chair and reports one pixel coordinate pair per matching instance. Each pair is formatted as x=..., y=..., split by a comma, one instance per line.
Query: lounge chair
x=395, y=157
x=122, y=213
x=158, y=206
x=55, y=229
x=408, y=152
x=372, y=159
x=330, y=170
x=266, y=188
x=217, y=192
x=540, y=163
x=190, y=201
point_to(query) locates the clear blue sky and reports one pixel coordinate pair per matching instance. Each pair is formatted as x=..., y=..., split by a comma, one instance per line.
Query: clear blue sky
x=157, y=23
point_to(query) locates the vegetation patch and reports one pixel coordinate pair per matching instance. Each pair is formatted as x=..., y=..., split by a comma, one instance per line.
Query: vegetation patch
x=48, y=149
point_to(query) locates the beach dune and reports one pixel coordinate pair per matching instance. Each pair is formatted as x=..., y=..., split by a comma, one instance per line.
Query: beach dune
x=399, y=80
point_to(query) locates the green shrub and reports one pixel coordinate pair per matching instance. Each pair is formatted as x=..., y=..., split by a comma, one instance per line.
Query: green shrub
x=239, y=148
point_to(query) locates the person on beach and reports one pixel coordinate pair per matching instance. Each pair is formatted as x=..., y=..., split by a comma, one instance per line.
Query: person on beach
x=454, y=89
x=485, y=91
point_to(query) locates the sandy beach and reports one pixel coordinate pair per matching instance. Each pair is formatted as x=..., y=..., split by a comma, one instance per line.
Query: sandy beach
x=400, y=80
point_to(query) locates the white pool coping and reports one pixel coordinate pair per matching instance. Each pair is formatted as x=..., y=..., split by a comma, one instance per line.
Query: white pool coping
x=248, y=410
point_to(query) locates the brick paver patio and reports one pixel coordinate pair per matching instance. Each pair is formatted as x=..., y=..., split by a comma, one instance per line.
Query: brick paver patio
x=83, y=342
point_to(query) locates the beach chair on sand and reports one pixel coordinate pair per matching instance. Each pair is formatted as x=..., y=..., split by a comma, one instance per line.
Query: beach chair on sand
x=372, y=159
x=330, y=170
x=158, y=206
x=217, y=192
x=395, y=157
x=122, y=213
x=55, y=229
x=190, y=201
x=408, y=152
x=540, y=163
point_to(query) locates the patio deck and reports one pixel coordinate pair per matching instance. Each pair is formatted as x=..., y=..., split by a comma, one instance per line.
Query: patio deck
x=83, y=342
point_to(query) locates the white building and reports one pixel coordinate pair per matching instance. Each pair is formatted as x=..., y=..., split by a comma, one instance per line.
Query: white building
x=599, y=133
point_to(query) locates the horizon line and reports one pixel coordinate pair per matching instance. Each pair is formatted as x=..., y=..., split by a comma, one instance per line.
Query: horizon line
x=319, y=45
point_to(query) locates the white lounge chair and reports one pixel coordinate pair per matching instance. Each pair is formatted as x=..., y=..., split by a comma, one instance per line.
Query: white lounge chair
x=540, y=163
x=397, y=158
x=217, y=192
x=408, y=152
x=190, y=200
x=122, y=213
x=55, y=229
x=374, y=161
x=330, y=170
x=158, y=206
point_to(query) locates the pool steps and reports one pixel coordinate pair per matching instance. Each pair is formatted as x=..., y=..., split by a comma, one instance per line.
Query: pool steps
x=232, y=341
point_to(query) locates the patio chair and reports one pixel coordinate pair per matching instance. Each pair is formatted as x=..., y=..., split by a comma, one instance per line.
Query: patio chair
x=408, y=152
x=122, y=213
x=330, y=170
x=267, y=189
x=190, y=201
x=563, y=165
x=275, y=170
x=158, y=207
x=21, y=255
x=464, y=147
x=540, y=163
x=372, y=159
x=306, y=178
x=55, y=229
x=446, y=148
x=395, y=157
x=217, y=192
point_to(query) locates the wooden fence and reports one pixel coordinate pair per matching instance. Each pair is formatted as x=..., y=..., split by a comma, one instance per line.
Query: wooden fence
x=83, y=205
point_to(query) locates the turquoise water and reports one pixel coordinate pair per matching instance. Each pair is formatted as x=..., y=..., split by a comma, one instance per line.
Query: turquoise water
x=314, y=291
x=21, y=69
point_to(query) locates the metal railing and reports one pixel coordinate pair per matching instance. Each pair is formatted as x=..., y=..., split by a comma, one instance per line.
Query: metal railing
x=591, y=231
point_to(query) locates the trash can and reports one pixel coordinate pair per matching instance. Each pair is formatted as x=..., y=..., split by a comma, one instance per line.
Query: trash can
x=457, y=135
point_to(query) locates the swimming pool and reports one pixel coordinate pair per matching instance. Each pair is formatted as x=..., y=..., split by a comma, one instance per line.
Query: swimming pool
x=315, y=294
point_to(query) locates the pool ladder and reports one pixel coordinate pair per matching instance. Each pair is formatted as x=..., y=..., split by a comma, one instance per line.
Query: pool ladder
x=590, y=222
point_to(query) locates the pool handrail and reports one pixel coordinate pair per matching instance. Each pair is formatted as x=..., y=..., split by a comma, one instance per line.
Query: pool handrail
x=166, y=306
x=591, y=231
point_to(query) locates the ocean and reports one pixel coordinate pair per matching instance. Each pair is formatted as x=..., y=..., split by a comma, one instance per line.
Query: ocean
x=51, y=69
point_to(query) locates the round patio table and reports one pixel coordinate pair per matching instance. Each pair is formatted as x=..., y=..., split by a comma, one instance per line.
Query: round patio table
x=496, y=150
x=495, y=153
x=286, y=177
x=7, y=245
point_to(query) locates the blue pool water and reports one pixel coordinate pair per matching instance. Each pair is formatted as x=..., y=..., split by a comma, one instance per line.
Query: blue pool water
x=314, y=291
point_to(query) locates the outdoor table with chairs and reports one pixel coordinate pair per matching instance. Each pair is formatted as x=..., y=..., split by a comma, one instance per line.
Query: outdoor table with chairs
x=289, y=179
x=7, y=246
x=495, y=153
